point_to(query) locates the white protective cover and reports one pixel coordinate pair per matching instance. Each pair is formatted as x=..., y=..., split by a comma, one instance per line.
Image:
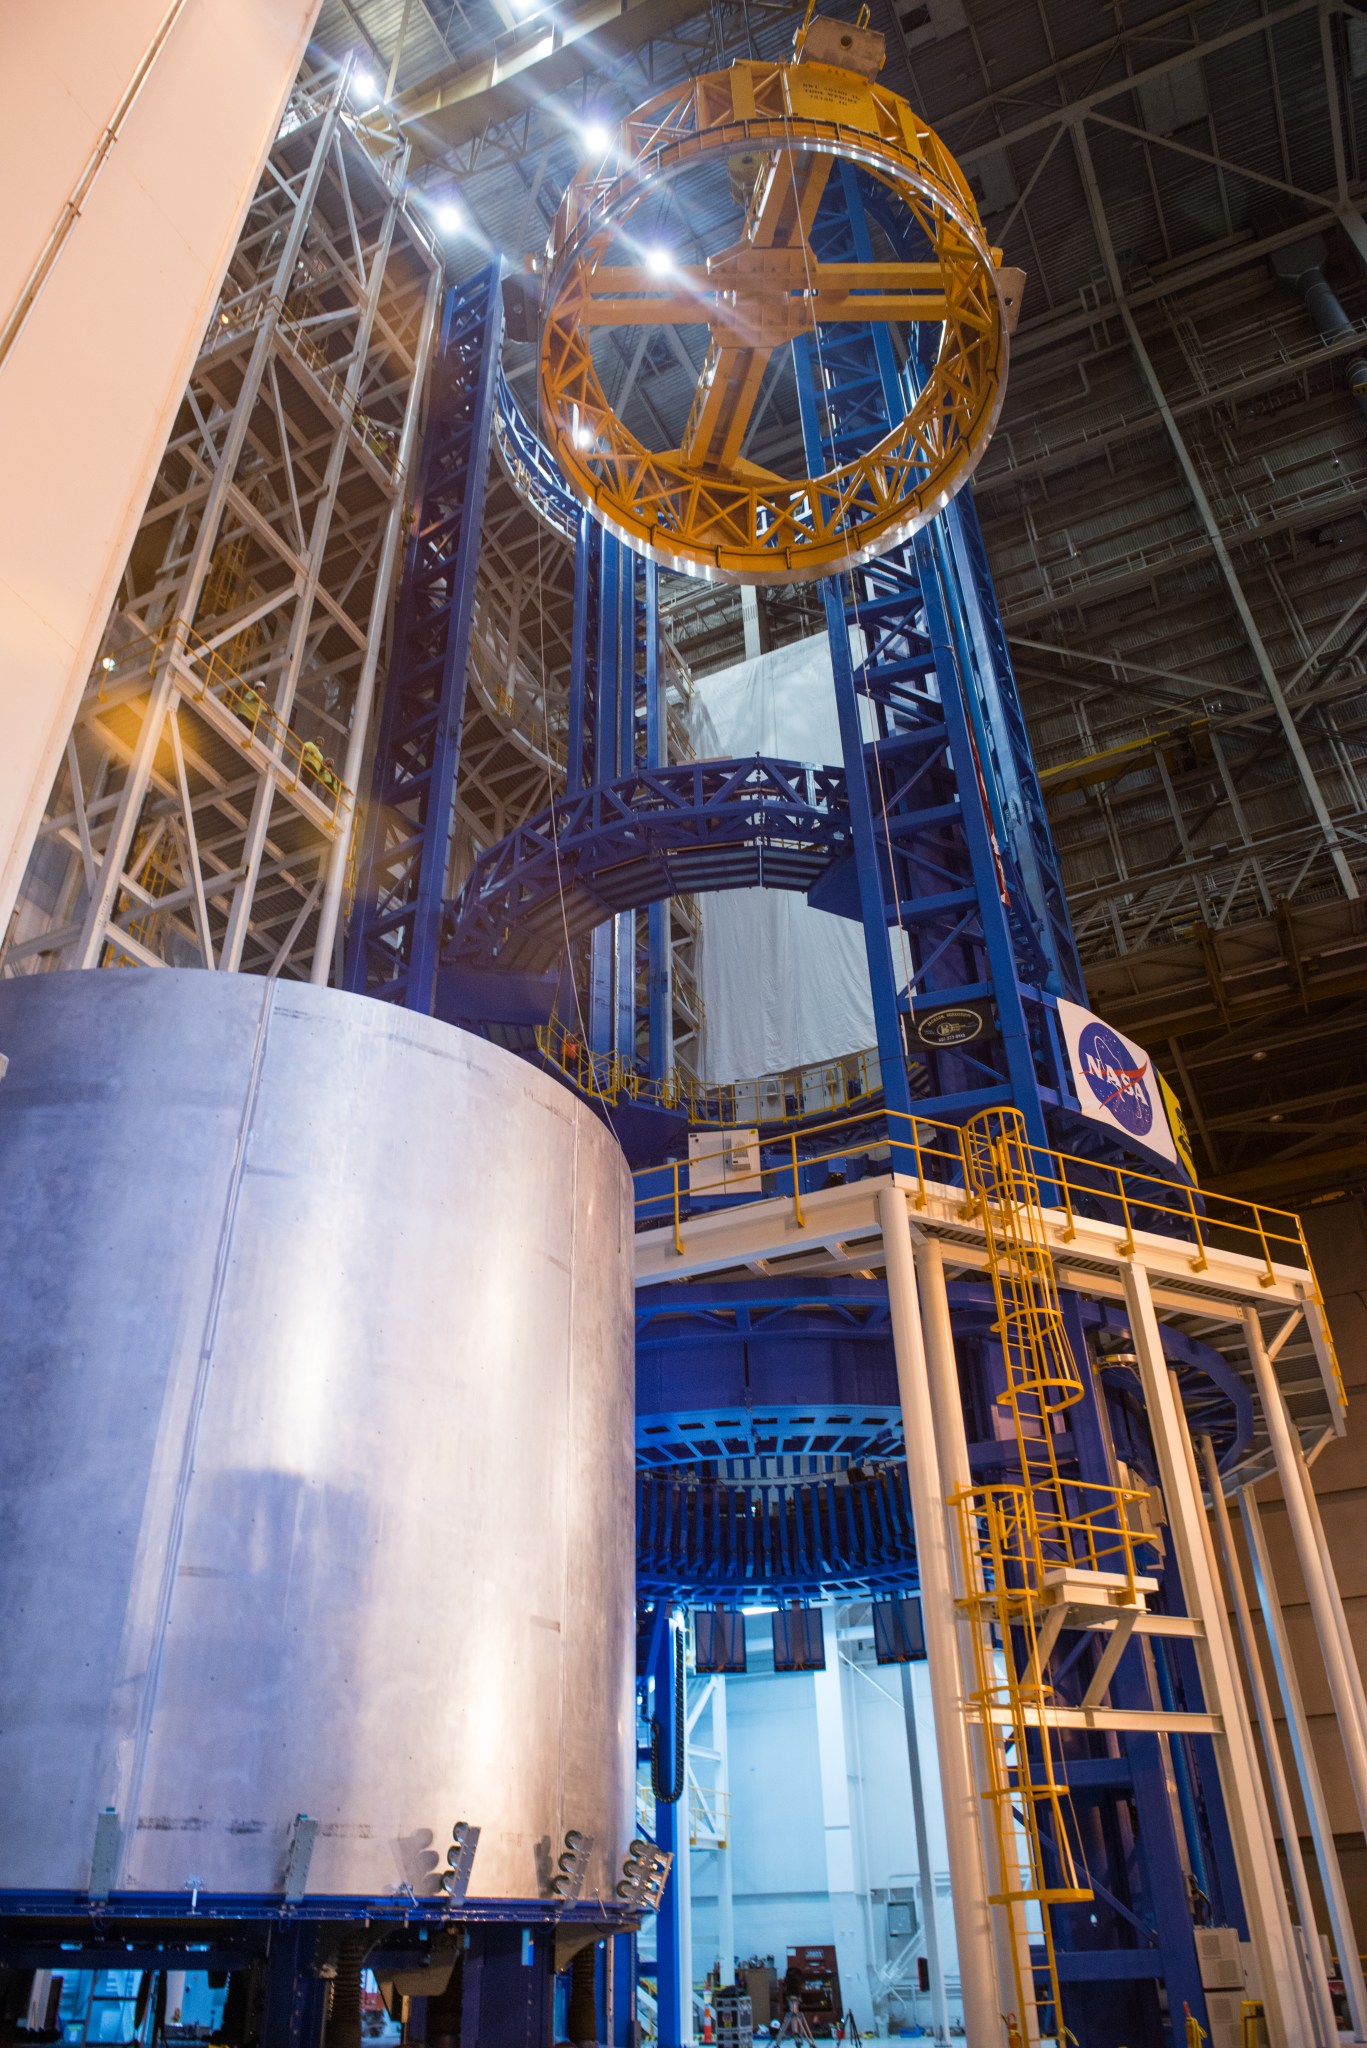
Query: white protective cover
x=782, y=984
x=89, y=390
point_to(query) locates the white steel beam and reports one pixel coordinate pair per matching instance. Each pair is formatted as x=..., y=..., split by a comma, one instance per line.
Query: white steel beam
x=1340, y=1663
x=1317, y=1985
x=1307, y=1768
x=1287, y=2012
x=964, y=1815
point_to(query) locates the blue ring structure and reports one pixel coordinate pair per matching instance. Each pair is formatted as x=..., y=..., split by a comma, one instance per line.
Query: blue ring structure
x=658, y=832
x=784, y=1481
x=530, y=470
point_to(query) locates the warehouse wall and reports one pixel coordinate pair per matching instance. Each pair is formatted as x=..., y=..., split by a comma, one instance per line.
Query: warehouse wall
x=111, y=259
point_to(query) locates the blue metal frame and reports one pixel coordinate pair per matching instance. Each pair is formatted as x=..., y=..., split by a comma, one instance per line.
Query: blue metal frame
x=406, y=847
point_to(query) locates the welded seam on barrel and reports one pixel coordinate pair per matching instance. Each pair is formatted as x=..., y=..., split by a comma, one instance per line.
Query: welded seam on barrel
x=176, y=1531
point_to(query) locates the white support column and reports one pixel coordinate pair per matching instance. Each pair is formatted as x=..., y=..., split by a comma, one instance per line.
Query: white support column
x=1010, y=1934
x=1350, y=1656
x=1317, y=1987
x=1345, y=1686
x=726, y=1897
x=1287, y=2012
x=750, y=622
x=983, y=2005
x=930, y=1919
x=847, y=1917
x=1307, y=1770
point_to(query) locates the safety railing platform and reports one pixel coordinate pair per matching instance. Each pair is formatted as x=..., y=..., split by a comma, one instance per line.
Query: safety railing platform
x=784, y=1209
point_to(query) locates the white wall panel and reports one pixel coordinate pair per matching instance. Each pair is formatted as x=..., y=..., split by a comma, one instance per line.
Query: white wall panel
x=89, y=387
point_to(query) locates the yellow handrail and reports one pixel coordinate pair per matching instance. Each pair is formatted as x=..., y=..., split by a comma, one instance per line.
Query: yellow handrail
x=1273, y=1235
x=209, y=673
x=766, y=1100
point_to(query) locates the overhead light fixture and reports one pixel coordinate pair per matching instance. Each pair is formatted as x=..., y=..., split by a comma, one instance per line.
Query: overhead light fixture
x=108, y=663
x=449, y=218
x=366, y=87
x=658, y=261
x=582, y=437
x=596, y=139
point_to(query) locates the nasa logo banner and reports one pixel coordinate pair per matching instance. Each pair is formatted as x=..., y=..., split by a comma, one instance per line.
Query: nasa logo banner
x=1116, y=1081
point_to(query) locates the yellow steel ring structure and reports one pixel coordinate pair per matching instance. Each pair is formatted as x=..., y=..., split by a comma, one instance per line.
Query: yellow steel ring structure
x=703, y=507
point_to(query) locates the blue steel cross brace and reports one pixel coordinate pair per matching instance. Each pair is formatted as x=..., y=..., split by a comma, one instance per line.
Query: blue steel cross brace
x=406, y=847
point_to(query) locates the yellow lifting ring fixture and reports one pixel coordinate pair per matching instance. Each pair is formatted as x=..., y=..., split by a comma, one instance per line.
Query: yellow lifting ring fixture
x=703, y=506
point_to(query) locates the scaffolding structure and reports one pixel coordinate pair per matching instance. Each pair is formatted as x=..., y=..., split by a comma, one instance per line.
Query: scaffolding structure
x=204, y=813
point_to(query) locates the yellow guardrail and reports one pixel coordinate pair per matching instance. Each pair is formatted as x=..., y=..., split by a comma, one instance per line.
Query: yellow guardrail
x=932, y=1156
x=791, y=1096
x=245, y=315
x=208, y=673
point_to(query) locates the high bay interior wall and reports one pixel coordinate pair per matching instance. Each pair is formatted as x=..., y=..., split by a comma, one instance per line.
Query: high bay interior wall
x=256, y=696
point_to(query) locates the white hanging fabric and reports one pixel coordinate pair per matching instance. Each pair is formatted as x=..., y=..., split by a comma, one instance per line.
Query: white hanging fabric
x=782, y=985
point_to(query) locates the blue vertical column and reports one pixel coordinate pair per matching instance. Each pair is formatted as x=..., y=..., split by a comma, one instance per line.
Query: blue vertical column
x=579, y=765
x=604, y=681
x=961, y=901
x=671, y=1826
x=983, y=831
x=295, y=2005
x=621, y=1962
x=509, y=1988
x=405, y=853
x=624, y=924
x=658, y=981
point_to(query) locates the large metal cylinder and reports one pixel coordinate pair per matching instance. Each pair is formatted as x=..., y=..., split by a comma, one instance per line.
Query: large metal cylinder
x=316, y=1463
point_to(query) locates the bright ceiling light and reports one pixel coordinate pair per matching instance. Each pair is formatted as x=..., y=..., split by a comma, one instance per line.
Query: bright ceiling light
x=582, y=437
x=596, y=139
x=449, y=218
x=367, y=87
x=658, y=260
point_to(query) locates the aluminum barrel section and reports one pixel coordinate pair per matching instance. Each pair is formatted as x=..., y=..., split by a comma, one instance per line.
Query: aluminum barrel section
x=318, y=1454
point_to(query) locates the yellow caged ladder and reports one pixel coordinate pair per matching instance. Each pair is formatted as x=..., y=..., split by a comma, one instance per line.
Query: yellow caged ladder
x=1034, y=1557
